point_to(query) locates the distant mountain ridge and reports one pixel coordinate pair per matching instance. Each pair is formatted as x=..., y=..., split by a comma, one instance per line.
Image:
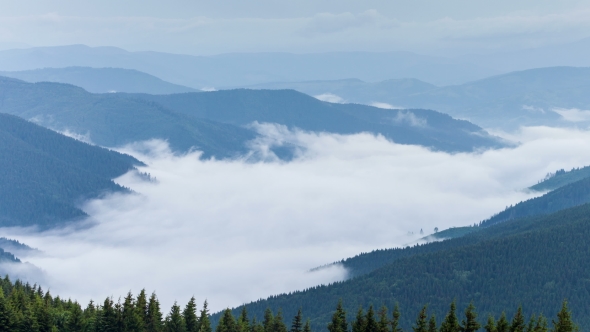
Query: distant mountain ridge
x=113, y=120
x=213, y=122
x=100, y=80
x=542, y=96
x=240, y=69
x=297, y=110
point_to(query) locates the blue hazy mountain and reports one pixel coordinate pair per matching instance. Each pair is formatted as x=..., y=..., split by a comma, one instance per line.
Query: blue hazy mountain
x=355, y=90
x=297, y=110
x=213, y=121
x=45, y=175
x=530, y=97
x=100, y=80
x=240, y=69
x=114, y=119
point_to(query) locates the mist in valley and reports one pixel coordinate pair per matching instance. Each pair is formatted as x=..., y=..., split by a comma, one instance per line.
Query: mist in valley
x=233, y=231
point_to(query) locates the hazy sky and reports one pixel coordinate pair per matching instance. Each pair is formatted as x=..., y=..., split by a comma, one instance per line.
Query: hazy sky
x=233, y=232
x=208, y=27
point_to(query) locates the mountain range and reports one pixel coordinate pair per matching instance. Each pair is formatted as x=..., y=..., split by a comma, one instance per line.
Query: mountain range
x=544, y=96
x=214, y=122
x=238, y=69
x=100, y=80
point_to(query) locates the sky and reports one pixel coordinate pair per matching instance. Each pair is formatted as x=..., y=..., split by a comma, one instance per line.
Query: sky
x=234, y=231
x=453, y=27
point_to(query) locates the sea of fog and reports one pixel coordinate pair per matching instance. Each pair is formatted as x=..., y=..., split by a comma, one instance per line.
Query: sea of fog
x=233, y=231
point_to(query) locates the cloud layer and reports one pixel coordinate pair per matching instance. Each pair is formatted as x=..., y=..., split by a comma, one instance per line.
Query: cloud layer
x=235, y=231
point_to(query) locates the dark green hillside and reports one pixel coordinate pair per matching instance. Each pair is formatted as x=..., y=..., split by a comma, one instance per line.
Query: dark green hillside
x=114, y=120
x=547, y=261
x=44, y=174
x=100, y=80
x=571, y=195
x=297, y=110
x=561, y=178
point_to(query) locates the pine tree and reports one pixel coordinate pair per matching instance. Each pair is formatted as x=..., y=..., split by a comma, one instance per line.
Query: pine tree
x=90, y=318
x=541, y=325
x=307, y=326
x=41, y=308
x=564, y=320
x=255, y=326
x=131, y=320
x=359, y=323
x=268, y=320
x=338, y=323
x=7, y=322
x=491, y=324
x=174, y=321
x=297, y=324
x=204, y=321
x=470, y=324
x=141, y=308
x=432, y=324
x=531, y=325
x=107, y=320
x=383, y=324
x=370, y=321
x=75, y=320
x=279, y=323
x=518, y=324
x=189, y=314
x=395, y=321
x=243, y=321
x=227, y=323
x=451, y=323
x=28, y=323
x=154, y=315
x=503, y=325
x=421, y=323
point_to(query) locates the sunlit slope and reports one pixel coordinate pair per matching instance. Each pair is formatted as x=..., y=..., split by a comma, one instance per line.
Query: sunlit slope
x=546, y=260
x=100, y=80
x=114, y=120
x=297, y=110
x=44, y=175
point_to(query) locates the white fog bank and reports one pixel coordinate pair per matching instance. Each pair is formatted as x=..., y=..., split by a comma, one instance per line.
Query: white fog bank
x=236, y=231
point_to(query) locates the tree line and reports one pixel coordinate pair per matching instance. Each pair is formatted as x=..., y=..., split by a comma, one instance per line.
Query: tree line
x=27, y=308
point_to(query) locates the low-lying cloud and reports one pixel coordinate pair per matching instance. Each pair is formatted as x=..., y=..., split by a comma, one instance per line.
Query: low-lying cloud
x=330, y=98
x=233, y=231
x=573, y=114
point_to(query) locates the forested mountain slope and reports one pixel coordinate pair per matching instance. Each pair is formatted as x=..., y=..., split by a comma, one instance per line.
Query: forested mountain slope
x=571, y=195
x=575, y=193
x=297, y=110
x=561, y=178
x=100, y=80
x=43, y=174
x=546, y=261
x=114, y=120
